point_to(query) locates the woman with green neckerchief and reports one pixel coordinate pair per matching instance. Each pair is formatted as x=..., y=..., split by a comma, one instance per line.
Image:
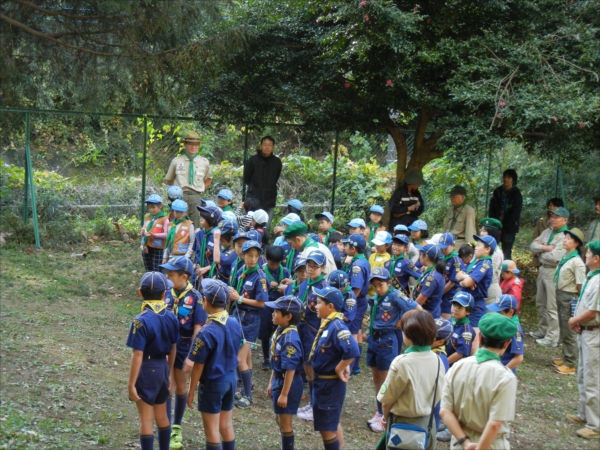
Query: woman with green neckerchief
x=414, y=382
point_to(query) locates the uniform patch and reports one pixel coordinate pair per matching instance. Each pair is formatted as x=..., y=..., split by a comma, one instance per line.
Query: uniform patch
x=290, y=351
x=350, y=302
x=325, y=333
x=383, y=389
x=189, y=300
x=356, y=269
x=264, y=284
x=467, y=336
x=197, y=346
x=180, y=166
x=519, y=338
x=248, y=283
x=344, y=334
x=136, y=326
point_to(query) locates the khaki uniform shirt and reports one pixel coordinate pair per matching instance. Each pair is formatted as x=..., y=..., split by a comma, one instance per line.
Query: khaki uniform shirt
x=178, y=172
x=593, y=232
x=477, y=393
x=571, y=274
x=590, y=300
x=461, y=222
x=410, y=383
x=552, y=258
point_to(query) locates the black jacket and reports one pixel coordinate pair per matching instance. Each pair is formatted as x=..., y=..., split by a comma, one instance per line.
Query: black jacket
x=506, y=207
x=399, y=204
x=261, y=175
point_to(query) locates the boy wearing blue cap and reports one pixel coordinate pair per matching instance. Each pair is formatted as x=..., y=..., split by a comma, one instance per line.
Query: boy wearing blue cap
x=331, y=354
x=513, y=355
x=454, y=264
x=463, y=334
x=206, y=238
x=418, y=232
x=181, y=235
x=300, y=276
x=411, y=251
x=444, y=330
x=399, y=266
x=215, y=357
x=387, y=309
x=225, y=200
x=356, y=226
x=224, y=256
x=339, y=280
x=153, y=233
x=153, y=336
x=248, y=297
x=430, y=285
x=358, y=272
x=374, y=224
x=287, y=360
x=325, y=226
x=186, y=303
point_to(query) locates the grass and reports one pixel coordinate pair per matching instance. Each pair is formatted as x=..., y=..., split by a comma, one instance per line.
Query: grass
x=64, y=365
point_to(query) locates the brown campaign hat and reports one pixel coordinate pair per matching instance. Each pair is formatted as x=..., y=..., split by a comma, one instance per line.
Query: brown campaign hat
x=192, y=136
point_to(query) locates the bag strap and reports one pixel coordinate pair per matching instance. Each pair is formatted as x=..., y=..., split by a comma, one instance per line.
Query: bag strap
x=434, y=395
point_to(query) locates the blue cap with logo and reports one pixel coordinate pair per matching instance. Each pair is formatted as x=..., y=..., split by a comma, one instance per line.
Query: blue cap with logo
x=401, y=238
x=317, y=256
x=446, y=240
x=376, y=209
x=338, y=279
x=225, y=194
x=213, y=211
x=207, y=203
x=315, y=237
x=179, y=263
x=290, y=219
x=154, y=198
x=299, y=263
x=431, y=250
x=487, y=240
x=254, y=235
x=504, y=303
x=331, y=295
x=418, y=225
x=463, y=298
x=444, y=329
x=324, y=215
x=379, y=273
x=295, y=203
x=248, y=245
x=155, y=281
x=357, y=241
x=215, y=291
x=401, y=227
x=228, y=226
x=286, y=303
x=240, y=235
x=179, y=205
x=355, y=223
x=174, y=193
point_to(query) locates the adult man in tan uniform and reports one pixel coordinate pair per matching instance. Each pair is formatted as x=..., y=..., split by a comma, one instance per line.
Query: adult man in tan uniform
x=191, y=172
x=461, y=218
x=549, y=250
x=544, y=222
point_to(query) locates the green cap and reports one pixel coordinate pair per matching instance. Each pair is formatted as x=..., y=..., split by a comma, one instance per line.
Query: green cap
x=458, y=190
x=561, y=211
x=415, y=176
x=491, y=222
x=295, y=229
x=594, y=247
x=577, y=234
x=497, y=327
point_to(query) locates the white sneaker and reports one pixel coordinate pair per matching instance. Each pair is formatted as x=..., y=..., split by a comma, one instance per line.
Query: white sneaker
x=304, y=408
x=376, y=418
x=379, y=426
x=307, y=414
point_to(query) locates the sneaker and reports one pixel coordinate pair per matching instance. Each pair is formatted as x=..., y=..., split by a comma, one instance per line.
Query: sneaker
x=565, y=370
x=238, y=394
x=588, y=433
x=376, y=418
x=304, y=408
x=546, y=342
x=575, y=419
x=356, y=371
x=243, y=403
x=176, y=442
x=379, y=426
x=307, y=414
x=442, y=427
x=266, y=364
x=444, y=436
x=557, y=362
x=536, y=334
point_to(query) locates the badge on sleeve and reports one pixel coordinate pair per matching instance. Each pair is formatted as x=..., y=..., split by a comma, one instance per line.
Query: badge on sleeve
x=290, y=350
x=356, y=269
x=467, y=336
x=350, y=302
x=344, y=334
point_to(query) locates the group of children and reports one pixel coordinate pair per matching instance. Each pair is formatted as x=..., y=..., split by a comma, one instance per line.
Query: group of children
x=305, y=298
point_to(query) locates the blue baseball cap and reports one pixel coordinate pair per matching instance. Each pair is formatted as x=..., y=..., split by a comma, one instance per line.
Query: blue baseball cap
x=155, y=281
x=295, y=203
x=356, y=240
x=229, y=215
x=250, y=245
x=154, y=198
x=254, y=235
x=228, y=225
x=179, y=205
x=315, y=237
x=214, y=211
x=179, y=263
x=355, y=223
x=331, y=295
x=401, y=238
x=487, y=240
x=317, y=256
x=215, y=292
x=286, y=303
x=299, y=263
x=324, y=215
x=444, y=328
x=382, y=238
x=379, y=273
x=240, y=235
x=418, y=225
x=401, y=227
x=174, y=192
x=446, y=240
x=431, y=250
x=225, y=194
x=504, y=303
x=207, y=203
x=338, y=279
x=290, y=219
x=463, y=298
x=376, y=209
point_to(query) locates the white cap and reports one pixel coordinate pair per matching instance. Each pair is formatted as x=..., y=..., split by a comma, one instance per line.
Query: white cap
x=259, y=216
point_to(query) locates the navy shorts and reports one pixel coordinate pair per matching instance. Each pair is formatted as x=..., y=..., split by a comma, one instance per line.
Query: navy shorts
x=266, y=324
x=152, y=384
x=327, y=402
x=307, y=336
x=478, y=311
x=294, y=396
x=446, y=306
x=183, y=350
x=356, y=324
x=217, y=395
x=382, y=349
x=250, y=321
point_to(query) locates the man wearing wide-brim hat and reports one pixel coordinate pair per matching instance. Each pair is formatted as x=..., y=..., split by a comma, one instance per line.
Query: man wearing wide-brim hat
x=191, y=172
x=461, y=217
x=406, y=204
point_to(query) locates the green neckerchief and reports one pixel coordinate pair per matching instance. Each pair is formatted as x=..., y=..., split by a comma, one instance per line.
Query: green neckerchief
x=172, y=231
x=359, y=256
x=347, y=290
x=373, y=227
x=515, y=319
x=590, y=275
x=482, y=355
x=423, y=276
x=234, y=270
x=450, y=256
x=309, y=242
x=289, y=263
x=203, y=246
x=295, y=288
x=267, y=272
x=418, y=348
x=213, y=266
x=462, y=321
x=191, y=170
x=228, y=208
x=279, y=333
x=219, y=317
x=333, y=230
x=311, y=283
x=324, y=323
x=455, y=213
x=151, y=224
x=416, y=242
x=554, y=232
x=393, y=262
x=376, y=301
x=475, y=261
x=561, y=263
x=244, y=274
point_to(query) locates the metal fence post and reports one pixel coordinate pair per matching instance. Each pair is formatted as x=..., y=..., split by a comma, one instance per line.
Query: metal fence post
x=26, y=181
x=143, y=208
x=29, y=181
x=245, y=159
x=335, y=158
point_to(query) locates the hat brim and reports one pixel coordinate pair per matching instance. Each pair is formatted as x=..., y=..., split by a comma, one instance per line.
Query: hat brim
x=377, y=242
x=443, y=246
x=413, y=228
x=273, y=305
x=573, y=235
x=223, y=197
x=322, y=216
x=515, y=271
x=193, y=140
x=460, y=303
x=379, y=277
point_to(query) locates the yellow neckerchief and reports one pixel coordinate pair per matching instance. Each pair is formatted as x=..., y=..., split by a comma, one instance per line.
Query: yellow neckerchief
x=219, y=317
x=156, y=305
x=176, y=297
x=440, y=349
x=278, y=335
x=324, y=323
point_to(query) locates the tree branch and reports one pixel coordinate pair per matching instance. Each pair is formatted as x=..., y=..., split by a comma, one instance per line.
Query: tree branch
x=62, y=13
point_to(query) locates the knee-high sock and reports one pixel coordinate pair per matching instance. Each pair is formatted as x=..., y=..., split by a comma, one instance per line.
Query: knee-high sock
x=247, y=383
x=147, y=441
x=164, y=438
x=287, y=441
x=212, y=445
x=180, y=405
x=332, y=444
x=228, y=445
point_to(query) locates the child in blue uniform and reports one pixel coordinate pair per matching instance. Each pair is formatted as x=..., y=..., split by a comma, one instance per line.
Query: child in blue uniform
x=225, y=200
x=325, y=226
x=358, y=272
x=287, y=360
x=387, y=309
x=309, y=325
x=153, y=336
x=204, y=247
x=507, y=306
x=186, y=303
x=332, y=353
x=275, y=274
x=400, y=267
x=444, y=330
x=248, y=293
x=463, y=334
x=224, y=260
x=454, y=264
x=300, y=276
x=430, y=285
x=339, y=280
x=215, y=357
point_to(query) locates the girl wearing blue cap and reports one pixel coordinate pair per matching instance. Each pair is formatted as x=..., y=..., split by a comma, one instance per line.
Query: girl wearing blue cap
x=418, y=232
x=154, y=233
x=374, y=224
x=295, y=206
x=430, y=285
x=181, y=235
x=225, y=200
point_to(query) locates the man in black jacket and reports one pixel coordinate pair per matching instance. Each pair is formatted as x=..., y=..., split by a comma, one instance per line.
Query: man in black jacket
x=406, y=204
x=506, y=205
x=261, y=173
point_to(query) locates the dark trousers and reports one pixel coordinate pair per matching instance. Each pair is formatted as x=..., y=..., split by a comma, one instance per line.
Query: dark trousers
x=507, y=244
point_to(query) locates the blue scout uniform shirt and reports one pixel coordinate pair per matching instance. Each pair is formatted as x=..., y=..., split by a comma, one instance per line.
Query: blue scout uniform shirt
x=401, y=270
x=461, y=340
x=349, y=310
x=481, y=272
x=390, y=309
x=358, y=275
x=187, y=306
x=216, y=346
x=515, y=348
x=432, y=286
x=207, y=258
x=152, y=333
x=228, y=257
x=453, y=266
x=292, y=289
x=254, y=287
x=280, y=274
x=287, y=351
x=335, y=344
x=309, y=309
